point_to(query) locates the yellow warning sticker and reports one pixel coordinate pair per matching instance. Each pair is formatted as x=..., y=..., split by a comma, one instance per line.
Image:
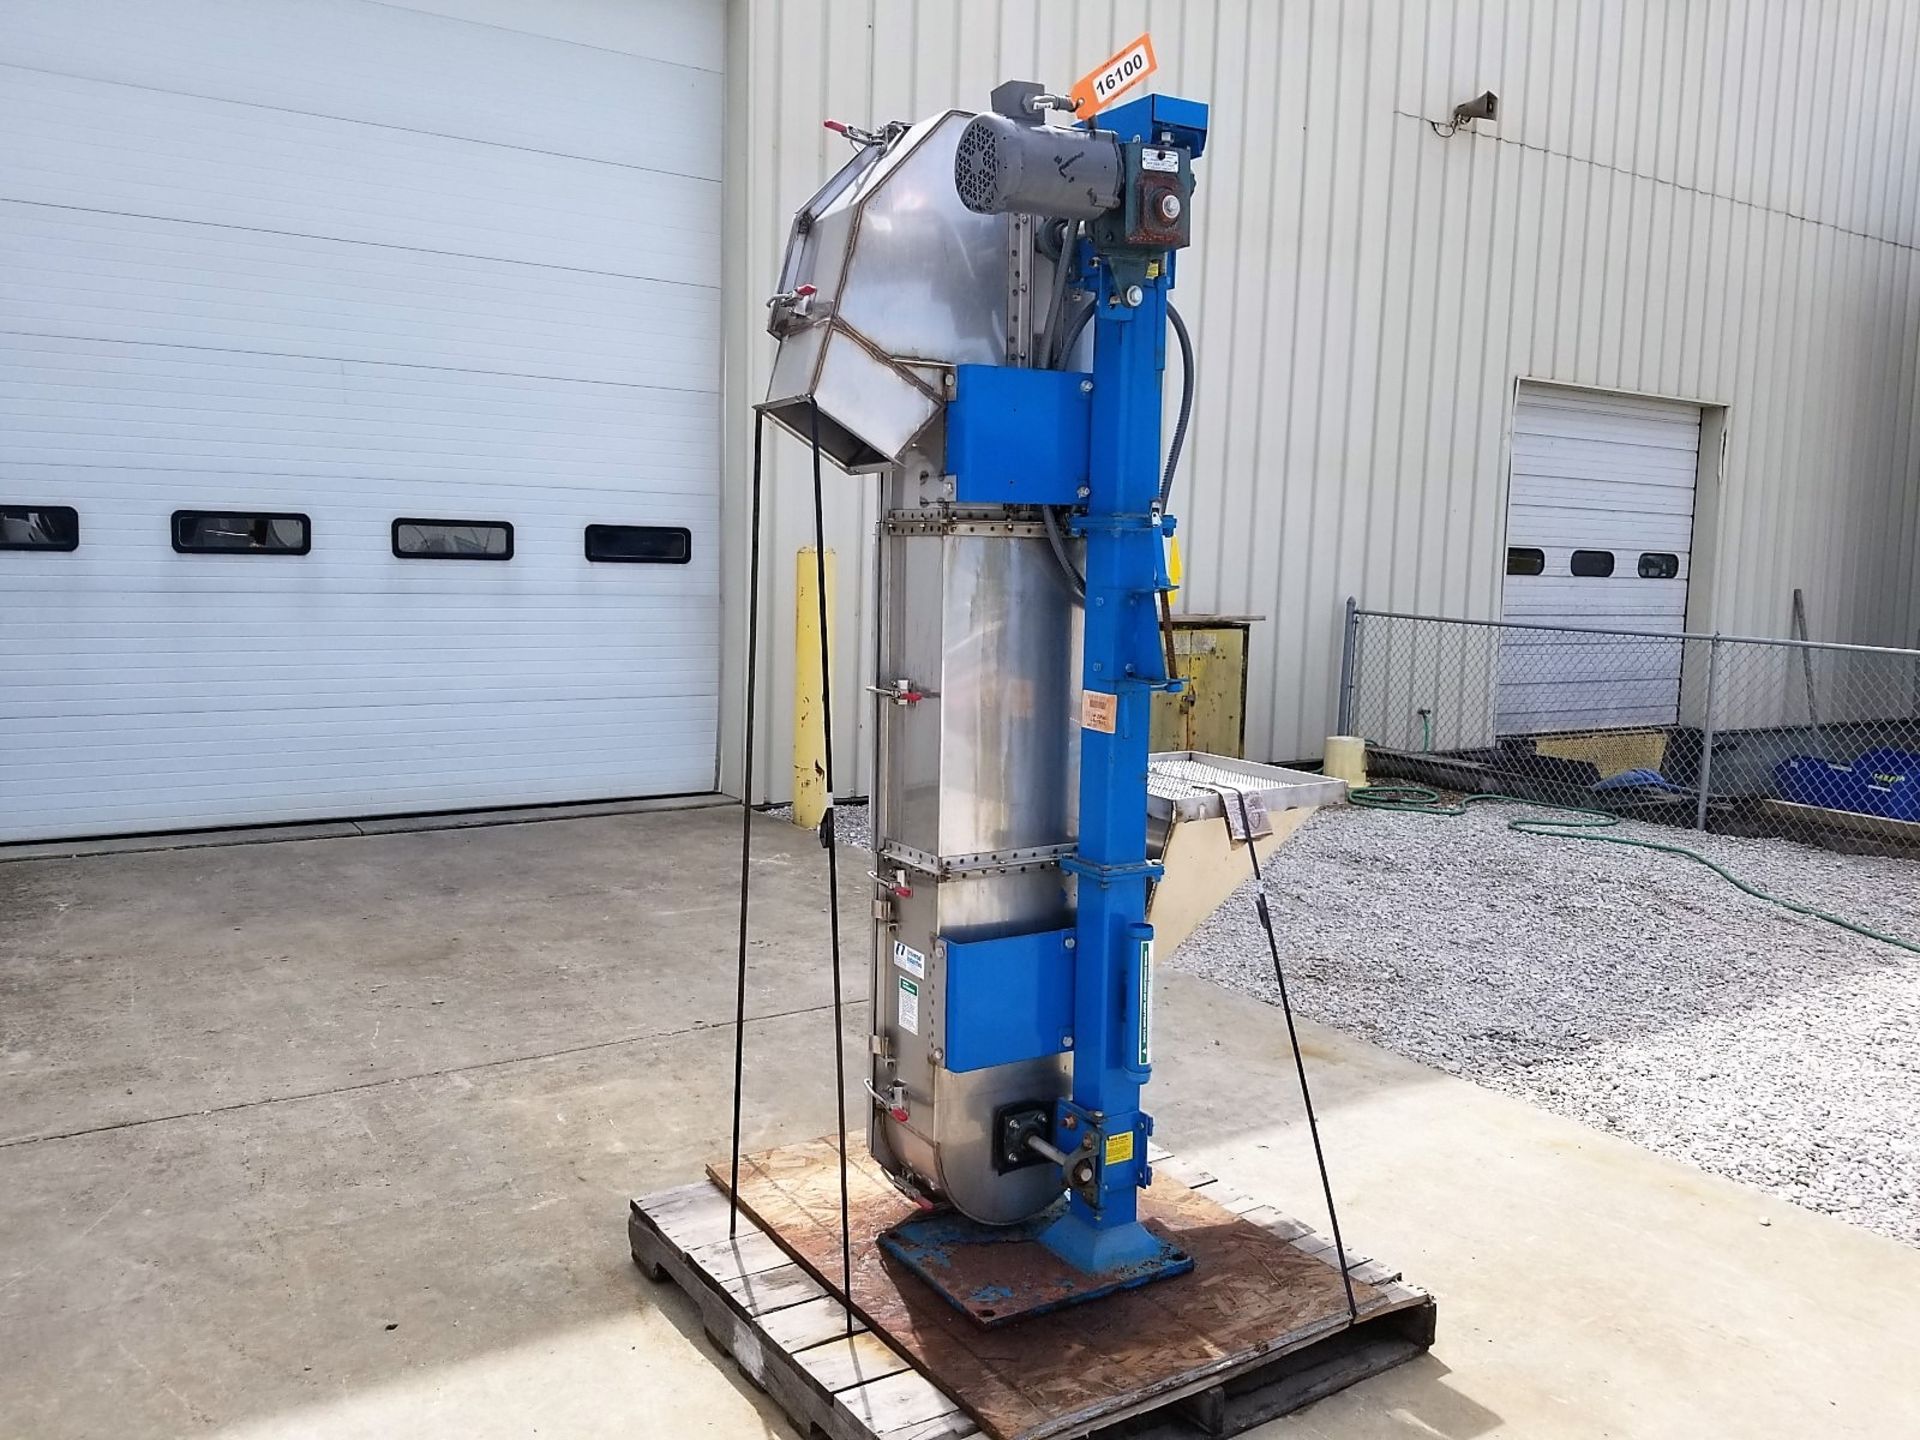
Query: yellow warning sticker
x=1120, y=1148
x=1099, y=711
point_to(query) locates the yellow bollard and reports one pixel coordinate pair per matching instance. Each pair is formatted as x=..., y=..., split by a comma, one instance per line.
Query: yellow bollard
x=1346, y=759
x=810, y=797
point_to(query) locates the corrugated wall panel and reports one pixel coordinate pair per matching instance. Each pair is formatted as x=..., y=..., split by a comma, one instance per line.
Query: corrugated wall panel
x=1711, y=201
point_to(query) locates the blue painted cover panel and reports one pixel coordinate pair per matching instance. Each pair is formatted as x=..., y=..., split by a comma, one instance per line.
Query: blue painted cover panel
x=1018, y=437
x=1008, y=999
x=1151, y=114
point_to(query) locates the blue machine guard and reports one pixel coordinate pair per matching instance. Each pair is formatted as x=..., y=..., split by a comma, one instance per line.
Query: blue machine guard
x=1019, y=437
x=1008, y=999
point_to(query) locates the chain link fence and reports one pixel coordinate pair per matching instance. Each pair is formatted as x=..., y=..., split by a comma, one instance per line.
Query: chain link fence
x=1811, y=741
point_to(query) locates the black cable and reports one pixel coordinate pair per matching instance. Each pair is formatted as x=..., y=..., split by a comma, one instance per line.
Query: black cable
x=1054, y=356
x=1076, y=582
x=1062, y=268
x=828, y=833
x=1186, y=402
x=1072, y=337
x=746, y=829
x=1293, y=1038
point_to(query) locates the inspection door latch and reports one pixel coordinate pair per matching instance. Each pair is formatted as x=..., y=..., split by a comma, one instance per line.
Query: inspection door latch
x=890, y=887
x=893, y=1100
x=790, y=309
x=903, y=692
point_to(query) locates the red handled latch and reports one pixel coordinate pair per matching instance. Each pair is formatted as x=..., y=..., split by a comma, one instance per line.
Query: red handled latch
x=903, y=692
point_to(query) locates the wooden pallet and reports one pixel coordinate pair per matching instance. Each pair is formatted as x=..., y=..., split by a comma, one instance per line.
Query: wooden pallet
x=762, y=1301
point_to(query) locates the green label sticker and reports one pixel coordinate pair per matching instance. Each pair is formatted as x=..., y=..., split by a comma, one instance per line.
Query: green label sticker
x=1146, y=1002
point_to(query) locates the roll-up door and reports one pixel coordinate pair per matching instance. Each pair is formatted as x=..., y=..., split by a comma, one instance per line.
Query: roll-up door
x=334, y=325
x=1599, y=526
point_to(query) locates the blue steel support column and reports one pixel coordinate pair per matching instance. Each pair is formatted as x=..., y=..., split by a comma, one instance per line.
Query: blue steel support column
x=1122, y=659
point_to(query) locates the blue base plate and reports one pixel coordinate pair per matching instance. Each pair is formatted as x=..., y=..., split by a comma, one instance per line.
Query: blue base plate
x=995, y=1274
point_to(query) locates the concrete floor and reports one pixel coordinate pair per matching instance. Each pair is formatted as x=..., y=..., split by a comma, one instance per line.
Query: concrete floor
x=334, y=1138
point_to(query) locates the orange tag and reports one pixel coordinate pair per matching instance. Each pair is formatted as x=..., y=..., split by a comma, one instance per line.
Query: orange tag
x=1100, y=87
x=1099, y=711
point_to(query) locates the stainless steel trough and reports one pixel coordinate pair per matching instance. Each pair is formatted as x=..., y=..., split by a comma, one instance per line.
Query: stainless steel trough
x=1196, y=830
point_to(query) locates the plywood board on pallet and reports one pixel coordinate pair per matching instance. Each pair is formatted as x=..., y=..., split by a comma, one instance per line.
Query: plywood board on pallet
x=1252, y=1293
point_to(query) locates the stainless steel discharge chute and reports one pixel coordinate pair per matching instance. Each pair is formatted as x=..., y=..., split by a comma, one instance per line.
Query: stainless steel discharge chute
x=888, y=282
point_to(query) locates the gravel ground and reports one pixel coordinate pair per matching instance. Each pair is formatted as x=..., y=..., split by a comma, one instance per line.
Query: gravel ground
x=1634, y=991
x=849, y=823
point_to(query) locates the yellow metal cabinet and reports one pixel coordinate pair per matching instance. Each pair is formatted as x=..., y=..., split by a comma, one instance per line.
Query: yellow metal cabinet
x=1211, y=715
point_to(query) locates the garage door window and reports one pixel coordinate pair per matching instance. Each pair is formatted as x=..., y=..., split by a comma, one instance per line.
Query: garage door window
x=1524, y=560
x=640, y=544
x=1659, y=565
x=39, y=527
x=1593, y=564
x=453, y=539
x=230, y=532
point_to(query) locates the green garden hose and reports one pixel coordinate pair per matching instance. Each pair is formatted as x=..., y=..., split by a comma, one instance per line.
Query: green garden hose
x=1580, y=824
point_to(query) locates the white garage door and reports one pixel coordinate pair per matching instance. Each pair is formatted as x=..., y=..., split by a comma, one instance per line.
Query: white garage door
x=1599, y=523
x=278, y=274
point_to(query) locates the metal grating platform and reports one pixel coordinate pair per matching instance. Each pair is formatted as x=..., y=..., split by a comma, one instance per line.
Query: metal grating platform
x=1190, y=784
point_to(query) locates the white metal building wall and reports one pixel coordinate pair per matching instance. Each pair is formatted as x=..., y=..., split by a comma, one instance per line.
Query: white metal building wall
x=1709, y=201
x=356, y=260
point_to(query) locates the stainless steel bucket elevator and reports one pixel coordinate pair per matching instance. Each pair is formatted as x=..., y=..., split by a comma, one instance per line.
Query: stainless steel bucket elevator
x=974, y=311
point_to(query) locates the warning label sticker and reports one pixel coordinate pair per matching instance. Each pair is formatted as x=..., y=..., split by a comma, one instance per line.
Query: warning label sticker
x=1120, y=1148
x=909, y=959
x=1099, y=711
x=910, y=1008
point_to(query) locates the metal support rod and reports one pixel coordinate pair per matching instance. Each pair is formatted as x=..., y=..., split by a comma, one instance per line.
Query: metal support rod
x=1706, y=735
x=746, y=826
x=1343, y=723
x=828, y=828
x=1802, y=632
x=1293, y=1038
x=1172, y=658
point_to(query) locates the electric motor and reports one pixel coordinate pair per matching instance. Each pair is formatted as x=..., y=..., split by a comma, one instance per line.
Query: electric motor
x=1002, y=167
